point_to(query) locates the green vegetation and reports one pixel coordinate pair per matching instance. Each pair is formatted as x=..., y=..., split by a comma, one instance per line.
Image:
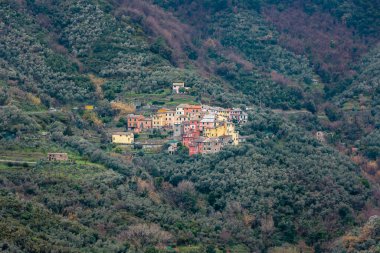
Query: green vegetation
x=300, y=67
x=361, y=239
x=281, y=178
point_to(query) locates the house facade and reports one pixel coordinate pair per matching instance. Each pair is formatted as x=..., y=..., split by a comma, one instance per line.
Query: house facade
x=177, y=87
x=138, y=123
x=208, y=121
x=211, y=145
x=164, y=118
x=56, y=157
x=180, y=109
x=123, y=138
x=215, y=132
x=192, y=110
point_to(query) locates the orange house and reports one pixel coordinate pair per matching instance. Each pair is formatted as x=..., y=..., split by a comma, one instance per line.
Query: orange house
x=138, y=123
x=192, y=110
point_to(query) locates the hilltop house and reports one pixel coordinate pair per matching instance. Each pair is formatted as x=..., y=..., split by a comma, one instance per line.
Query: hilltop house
x=179, y=87
x=123, y=138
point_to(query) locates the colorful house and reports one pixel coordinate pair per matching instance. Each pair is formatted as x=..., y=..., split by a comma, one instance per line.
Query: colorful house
x=190, y=126
x=189, y=138
x=164, y=118
x=194, y=148
x=192, y=110
x=222, y=112
x=138, y=123
x=215, y=132
x=230, y=131
x=123, y=138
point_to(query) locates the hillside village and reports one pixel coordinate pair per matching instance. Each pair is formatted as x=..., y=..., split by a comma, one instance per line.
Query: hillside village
x=202, y=129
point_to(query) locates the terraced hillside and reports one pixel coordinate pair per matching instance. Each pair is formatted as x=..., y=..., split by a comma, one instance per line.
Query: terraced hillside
x=281, y=191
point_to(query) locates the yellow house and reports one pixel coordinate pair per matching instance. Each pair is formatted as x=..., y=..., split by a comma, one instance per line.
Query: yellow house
x=226, y=129
x=235, y=138
x=164, y=117
x=215, y=132
x=157, y=121
x=221, y=117
x=230, y=130
x=123, y=138
x=89, y=107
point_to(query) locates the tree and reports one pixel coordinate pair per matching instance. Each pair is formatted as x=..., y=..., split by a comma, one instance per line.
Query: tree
x=68, y=131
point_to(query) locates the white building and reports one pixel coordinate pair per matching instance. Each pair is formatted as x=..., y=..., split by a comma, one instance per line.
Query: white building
x=177, y=87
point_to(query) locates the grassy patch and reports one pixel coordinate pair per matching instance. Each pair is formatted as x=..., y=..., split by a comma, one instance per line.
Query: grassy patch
x=188, y=249
x=21, y=156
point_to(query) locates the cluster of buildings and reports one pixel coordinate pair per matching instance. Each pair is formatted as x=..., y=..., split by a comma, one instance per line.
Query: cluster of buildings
x=202, y=129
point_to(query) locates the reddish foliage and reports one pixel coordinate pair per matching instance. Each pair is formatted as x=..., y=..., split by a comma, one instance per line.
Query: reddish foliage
x=280, y=79
x=247, y=65
x=329, y=43
x=158, y=22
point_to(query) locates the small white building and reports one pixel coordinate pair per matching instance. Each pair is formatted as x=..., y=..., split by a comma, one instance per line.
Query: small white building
x=243, y=117
x=173, y=147
x=178, y=86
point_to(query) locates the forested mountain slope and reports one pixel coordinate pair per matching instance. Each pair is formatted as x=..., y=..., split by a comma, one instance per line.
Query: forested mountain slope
x=316, y=62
